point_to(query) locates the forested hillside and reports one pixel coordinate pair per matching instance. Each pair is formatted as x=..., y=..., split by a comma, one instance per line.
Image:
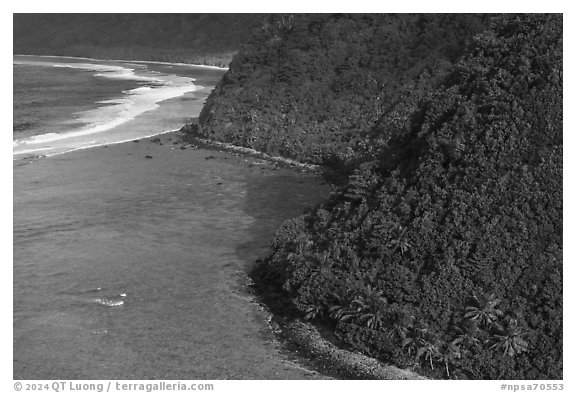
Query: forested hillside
x=312, y=87
x=194, y=38
x=444, y=253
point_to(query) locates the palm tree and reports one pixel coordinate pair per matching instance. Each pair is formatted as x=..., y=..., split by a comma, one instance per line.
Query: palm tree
x=370, y=307
x=466, y=334
x=400, y=322
x=429, y=350
x=397, y=331
x=373, y=320
x=400, y=241
x=412, y=343
x=343, y=310
x=449, y=353
x=313, y=311
x=342, y=313
x=415, y=338
x=484, y=311
x=510, y=339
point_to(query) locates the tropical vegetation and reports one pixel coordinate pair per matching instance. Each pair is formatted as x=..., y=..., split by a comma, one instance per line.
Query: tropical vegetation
x=443, y=250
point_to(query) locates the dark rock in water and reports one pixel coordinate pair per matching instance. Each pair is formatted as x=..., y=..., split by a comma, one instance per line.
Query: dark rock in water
x=155, y=140
x=148, y=157
x=135, y=141
x=210, y=158
x=182, y=147
x=220, y=184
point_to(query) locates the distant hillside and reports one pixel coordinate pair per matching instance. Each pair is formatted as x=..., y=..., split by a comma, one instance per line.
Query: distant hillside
x=311, y=87
x=206, y=38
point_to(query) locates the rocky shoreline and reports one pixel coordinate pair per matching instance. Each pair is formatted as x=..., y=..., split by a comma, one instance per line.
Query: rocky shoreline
x=306, y=340
x=191, y=137
x=302, y=339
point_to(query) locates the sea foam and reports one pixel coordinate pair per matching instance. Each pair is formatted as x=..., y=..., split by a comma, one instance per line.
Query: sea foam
x=113, y=112
x=132, y=104
x=109, y=71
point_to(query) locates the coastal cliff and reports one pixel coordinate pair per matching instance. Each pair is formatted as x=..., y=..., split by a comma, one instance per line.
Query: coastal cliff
x=442, y=251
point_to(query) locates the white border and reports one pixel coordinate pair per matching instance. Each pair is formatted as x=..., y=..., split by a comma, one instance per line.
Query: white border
x=303, y=6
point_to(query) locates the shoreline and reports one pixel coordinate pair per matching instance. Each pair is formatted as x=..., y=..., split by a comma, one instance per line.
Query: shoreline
x=300, y=340
x=323, y=355
x=125, y=61
x=207, y=215
x=99, y=123
x=247, y=152
x=110, y=143
x=312, y=346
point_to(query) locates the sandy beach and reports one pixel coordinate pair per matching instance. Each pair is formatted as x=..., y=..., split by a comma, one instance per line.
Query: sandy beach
x=130, y=262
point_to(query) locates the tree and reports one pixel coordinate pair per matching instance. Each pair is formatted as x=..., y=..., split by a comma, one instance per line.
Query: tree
x=484, y=310
x=510, y=339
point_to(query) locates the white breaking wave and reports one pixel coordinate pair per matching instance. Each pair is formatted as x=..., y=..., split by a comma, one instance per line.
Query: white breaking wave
x=111, y=143
x=113, y=112
x=34, y=150
x=110, y=302
x=109, y=71
x=101, y=70
x=134, y=103
x=124, y=61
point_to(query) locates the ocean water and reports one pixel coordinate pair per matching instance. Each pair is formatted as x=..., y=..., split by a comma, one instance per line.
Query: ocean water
x=128, y=267
x=63, y=104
